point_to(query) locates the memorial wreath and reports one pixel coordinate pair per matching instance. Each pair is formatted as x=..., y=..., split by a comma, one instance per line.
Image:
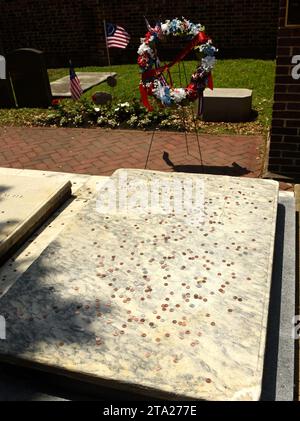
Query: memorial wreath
x=153, y=82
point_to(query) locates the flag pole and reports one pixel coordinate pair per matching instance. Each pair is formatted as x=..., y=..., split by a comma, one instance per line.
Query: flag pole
x=107, y=50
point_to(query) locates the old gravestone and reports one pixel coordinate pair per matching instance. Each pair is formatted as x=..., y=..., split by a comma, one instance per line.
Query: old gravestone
x=25, y=203
x=6, y=93
x=29, y=78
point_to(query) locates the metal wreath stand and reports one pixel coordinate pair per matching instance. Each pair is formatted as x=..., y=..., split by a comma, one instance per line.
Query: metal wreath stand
x=153, y=82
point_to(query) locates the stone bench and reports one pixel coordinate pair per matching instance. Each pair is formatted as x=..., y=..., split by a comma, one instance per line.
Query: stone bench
x=226, y=104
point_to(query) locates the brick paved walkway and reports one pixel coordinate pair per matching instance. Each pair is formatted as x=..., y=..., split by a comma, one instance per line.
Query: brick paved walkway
x=99, y=151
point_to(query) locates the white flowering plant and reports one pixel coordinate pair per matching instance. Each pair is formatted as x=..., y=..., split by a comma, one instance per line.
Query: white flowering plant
x=85, y=113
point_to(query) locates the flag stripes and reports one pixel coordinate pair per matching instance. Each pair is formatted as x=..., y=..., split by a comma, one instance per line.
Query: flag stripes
x=75, y=87
x=116, y=36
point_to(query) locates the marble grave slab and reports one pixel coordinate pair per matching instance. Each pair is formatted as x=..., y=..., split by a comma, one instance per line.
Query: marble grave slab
x=60, y=88
x=25, y=202
x=163, y=304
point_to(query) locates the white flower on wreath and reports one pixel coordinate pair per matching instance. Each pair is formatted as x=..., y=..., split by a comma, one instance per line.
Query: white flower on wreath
x=178, y=94
x=158, y=89
x=165, y=28
x=208, y=63
x=144, y=48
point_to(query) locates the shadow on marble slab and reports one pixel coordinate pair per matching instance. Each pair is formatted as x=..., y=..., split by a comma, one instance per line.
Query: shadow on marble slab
x=272, y=343
x=279, y=364
x=24, y=384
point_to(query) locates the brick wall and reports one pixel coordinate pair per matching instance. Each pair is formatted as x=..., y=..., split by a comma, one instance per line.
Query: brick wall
x=284, y=155
x=63, y=29
x=73, y=28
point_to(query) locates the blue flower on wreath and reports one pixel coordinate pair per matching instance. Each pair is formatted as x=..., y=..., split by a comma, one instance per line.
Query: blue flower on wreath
x=166, y=99
x=208, y=49
x=174, y=25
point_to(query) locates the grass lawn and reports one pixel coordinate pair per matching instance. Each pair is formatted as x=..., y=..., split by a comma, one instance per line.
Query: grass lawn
x=257, y=75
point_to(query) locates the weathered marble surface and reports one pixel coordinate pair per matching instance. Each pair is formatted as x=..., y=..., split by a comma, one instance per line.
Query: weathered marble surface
x=152, y=302
x=24, y=202
x=61, y=87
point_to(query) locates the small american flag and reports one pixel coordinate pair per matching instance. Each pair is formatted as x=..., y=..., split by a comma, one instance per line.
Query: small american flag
x=116, y=36
x=75, y=87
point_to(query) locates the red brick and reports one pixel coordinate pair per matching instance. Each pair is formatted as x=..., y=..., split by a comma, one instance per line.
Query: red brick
x=276, y=139
x=285, y=146
x=284, y=131
x=287, y=97
x=294, y=106
x=281, y=161
x=279, y=123
x=287, y=114
x=275, y=154
x=293, y=154
x=291, y=123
